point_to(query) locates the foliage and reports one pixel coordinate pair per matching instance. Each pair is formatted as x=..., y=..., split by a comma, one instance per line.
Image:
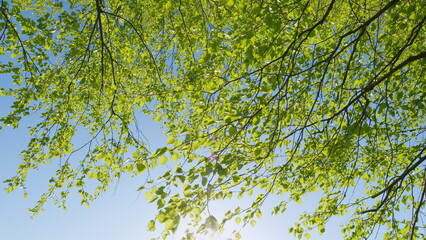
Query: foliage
x=290, y=97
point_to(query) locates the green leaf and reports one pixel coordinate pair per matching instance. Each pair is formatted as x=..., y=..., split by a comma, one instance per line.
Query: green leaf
x=140, y=167
x=162, y=160
x=204, y=181
x=232, y=130
x=258, y=213
x=257, y=152
x=171, y=140
x=175, y=156
x=230, y=2
x=169, y=224
x=160, y=151
x=148, y=195
x=151, y=225
x=321, y=229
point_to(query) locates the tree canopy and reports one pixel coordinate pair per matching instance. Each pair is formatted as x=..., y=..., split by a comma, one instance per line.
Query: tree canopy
x=288, y=97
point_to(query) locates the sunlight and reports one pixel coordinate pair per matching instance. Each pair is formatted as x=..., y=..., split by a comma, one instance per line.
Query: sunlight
x=215, y=236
